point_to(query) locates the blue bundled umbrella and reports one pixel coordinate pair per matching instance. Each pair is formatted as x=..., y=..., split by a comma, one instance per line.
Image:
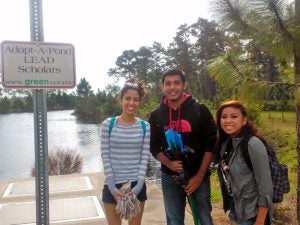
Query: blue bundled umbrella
x=174, y=141
x=175, y=145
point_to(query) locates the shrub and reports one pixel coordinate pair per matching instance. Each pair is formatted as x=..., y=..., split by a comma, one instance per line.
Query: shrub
x=63, y=161
x=254, y=111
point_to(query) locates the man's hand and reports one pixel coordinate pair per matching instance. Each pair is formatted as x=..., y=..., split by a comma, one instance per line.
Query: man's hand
x=175, y=166
x=192, y=185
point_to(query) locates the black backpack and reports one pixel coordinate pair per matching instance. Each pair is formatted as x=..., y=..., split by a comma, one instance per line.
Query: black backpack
x=279, y=172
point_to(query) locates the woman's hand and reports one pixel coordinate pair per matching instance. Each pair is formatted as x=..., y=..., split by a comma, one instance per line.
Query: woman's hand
x=225, y=167
x=118, y=195
x=129, y=193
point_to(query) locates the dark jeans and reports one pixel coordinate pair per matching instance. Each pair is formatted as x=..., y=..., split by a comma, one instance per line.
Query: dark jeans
x=175, y=201
x=233, y=216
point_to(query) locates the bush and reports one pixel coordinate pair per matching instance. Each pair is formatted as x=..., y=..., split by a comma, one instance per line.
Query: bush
x=63, y=162
x=254, y=111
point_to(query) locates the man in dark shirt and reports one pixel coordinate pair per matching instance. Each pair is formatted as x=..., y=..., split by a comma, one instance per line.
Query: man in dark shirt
x=193, y=121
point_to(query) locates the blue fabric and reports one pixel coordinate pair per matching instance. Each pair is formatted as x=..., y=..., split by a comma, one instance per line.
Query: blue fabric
x=112, y=123
x=174, y=140
x=175, y=201
x=232, y=215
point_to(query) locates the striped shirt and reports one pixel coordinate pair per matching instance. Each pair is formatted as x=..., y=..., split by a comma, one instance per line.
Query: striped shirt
x=125, y=153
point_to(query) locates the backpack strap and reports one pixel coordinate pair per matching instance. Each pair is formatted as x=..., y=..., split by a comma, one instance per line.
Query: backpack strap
x=112, y=123
x=245, y=152
x=143, y=124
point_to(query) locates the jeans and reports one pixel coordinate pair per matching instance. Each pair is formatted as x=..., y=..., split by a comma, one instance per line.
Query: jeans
x=175, y=201
x=232, y=215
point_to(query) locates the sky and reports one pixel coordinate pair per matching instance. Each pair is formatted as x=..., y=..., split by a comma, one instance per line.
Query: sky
x=101, y=30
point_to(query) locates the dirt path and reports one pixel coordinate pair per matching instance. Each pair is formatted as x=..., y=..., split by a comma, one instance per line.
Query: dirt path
x=218, y=214
x=284, y=213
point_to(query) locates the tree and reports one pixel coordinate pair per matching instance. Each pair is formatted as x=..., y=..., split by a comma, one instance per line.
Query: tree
x=181, y=55
x=86, y=109
x=18, y=105
x=146, y=65
x=5, y=105
x=274, y=25
x=158, y=66
x=191, y=49
x=209, y=42
x=84, y=88
x=58, y=99
x=28, y=102
x=125, y=66
x=111, y=89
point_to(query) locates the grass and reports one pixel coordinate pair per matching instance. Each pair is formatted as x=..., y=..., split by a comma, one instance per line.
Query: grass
x=216, y=195
x=280, y=129
x=282, y=132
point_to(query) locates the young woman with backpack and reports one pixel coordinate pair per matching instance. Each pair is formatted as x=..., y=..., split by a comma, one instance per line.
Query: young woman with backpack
x=125, y=152
x=247, y=194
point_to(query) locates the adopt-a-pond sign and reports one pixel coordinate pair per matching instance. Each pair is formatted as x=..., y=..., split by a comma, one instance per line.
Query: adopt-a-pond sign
x=38, y=65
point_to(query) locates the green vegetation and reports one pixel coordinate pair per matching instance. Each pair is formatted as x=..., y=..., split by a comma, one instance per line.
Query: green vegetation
x=216, y=195
x=94, y=108
x=283, y=134
x=15, y=101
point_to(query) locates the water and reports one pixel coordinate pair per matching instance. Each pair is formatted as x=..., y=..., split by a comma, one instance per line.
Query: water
x=17, y=151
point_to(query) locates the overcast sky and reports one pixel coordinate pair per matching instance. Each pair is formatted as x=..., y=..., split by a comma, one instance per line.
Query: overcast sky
x=101, y=30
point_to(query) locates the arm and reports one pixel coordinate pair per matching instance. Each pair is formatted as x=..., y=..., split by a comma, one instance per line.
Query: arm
x=208, y=134
x=145, y=153
x=261, y=170
x=261, y=216
x=108, y=171
x=155, y=137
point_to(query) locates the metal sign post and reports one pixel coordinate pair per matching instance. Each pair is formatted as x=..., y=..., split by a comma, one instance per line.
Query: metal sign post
x=38, y=65
x=40, y=126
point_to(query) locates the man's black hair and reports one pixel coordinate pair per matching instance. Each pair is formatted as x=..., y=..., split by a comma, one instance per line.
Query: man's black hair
x=172, y=72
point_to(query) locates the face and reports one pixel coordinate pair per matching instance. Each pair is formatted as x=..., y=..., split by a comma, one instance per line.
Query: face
x=130, y=102
x=232, y=121
x=173, y=87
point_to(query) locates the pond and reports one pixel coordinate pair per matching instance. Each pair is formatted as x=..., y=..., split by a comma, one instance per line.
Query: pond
x=17, y=151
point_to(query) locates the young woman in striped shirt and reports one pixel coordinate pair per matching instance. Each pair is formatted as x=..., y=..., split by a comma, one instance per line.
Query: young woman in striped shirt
x=125, y=152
